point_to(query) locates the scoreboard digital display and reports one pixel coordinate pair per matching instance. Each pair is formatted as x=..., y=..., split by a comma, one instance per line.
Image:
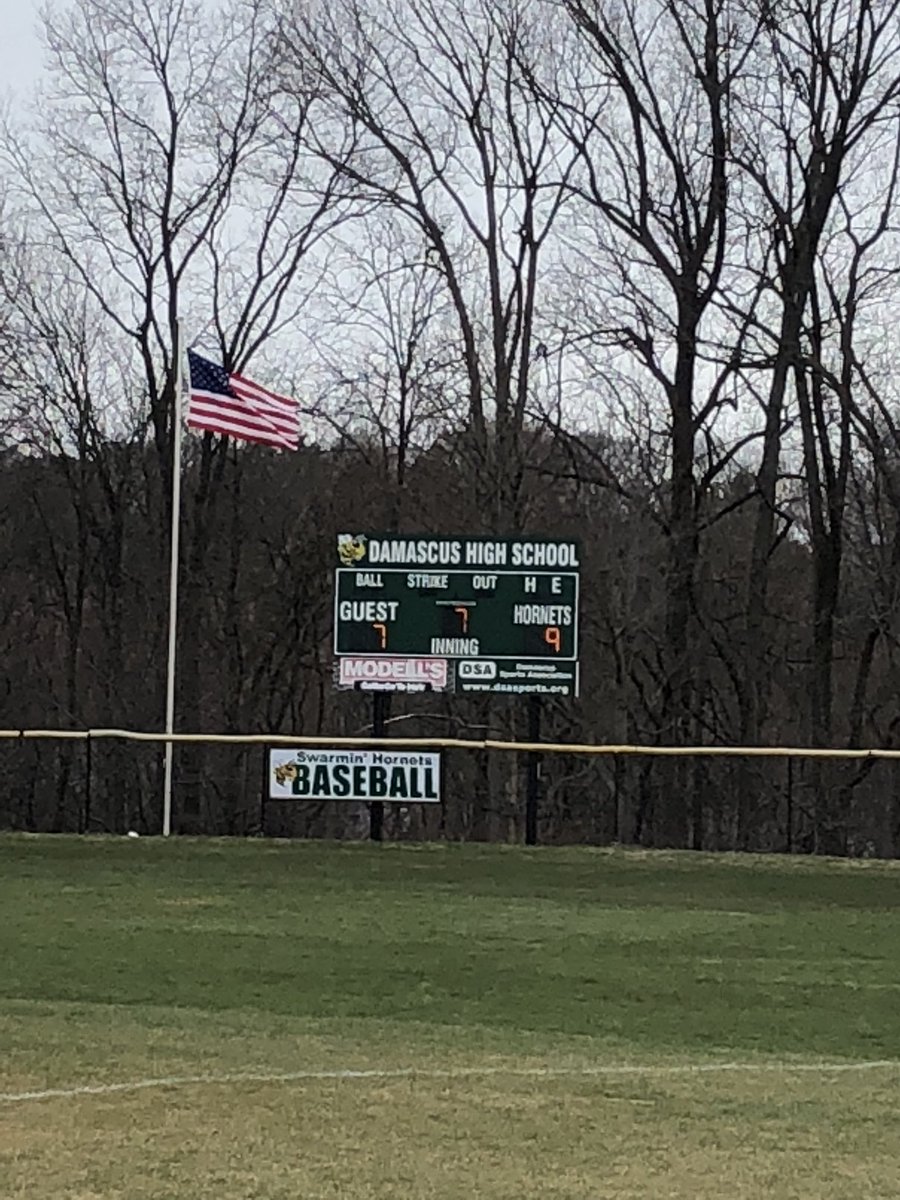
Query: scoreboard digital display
x=456, y=598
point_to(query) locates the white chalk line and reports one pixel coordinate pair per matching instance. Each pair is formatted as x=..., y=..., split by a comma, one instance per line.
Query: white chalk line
x=610, y=1070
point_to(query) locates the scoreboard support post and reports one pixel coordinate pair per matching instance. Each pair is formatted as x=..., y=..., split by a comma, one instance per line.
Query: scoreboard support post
x=532, y=772
x=376, y=808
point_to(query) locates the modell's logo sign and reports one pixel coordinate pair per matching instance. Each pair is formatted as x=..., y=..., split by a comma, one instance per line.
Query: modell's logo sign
x=413, y=674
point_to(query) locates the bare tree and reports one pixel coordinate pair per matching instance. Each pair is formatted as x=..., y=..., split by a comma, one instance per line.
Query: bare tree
x=388, y=347
x=820, y=101
x=159, y=179
x=645, y=103
x=424, y=109
x=158, y=169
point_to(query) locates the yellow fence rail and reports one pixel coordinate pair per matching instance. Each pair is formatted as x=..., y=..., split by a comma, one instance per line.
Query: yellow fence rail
x=446, y=743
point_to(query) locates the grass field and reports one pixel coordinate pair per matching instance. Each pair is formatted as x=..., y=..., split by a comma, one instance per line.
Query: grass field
x=550, y=1023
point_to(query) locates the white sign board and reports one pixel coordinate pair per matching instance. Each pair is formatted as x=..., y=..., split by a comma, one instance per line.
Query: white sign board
x=392, y=674
x=394, y=776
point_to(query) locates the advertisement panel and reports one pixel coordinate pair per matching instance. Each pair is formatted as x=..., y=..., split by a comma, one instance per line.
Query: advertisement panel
x=517, y=678
x=392, y=674
x=392, y=776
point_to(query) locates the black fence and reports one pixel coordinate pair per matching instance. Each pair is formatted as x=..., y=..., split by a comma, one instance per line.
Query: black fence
x=786, y=804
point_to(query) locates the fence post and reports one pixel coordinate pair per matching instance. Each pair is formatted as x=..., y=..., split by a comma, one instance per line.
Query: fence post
x=532, y=772
x=264, y=790
x=789, y=815
x=88, y=780
x=376, y=807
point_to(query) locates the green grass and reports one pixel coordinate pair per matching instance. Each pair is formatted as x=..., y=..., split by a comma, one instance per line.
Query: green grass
x=124, y=959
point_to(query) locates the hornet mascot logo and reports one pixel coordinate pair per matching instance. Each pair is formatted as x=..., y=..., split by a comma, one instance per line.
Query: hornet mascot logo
x=285, y=773
x=351, y=548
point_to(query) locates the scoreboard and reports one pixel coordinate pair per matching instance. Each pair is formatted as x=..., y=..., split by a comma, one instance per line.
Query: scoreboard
x=457, y=614
x=457, y=598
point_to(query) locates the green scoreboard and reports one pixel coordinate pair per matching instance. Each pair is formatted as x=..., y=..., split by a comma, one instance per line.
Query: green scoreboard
x=500, y=609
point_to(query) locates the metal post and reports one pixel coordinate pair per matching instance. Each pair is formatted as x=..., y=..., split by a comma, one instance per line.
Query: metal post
x=264, y=790
x=532, y=772
x=173, y=582
x=376, y=808
x=789, y=815
x=88, y=772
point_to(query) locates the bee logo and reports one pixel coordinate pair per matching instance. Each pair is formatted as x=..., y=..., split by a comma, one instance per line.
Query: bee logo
x=285, y=773
x=351, y=548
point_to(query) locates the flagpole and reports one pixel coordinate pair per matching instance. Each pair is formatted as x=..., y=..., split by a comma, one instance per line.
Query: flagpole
x=173, y=579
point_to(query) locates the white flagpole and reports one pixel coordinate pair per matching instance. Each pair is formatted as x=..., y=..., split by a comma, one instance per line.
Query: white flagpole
x=173, y=579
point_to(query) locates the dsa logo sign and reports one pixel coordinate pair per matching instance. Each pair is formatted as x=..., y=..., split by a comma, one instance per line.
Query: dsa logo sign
x=477, y=669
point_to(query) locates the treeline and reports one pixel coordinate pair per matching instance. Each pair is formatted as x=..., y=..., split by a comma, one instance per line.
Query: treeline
x=84, y=637
x=624, y=273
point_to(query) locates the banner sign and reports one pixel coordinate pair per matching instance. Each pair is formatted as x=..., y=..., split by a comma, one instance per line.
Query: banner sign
x=392, y=674
x=517, y=678
x=456, y=598
x=373, y=550
x=403, y=777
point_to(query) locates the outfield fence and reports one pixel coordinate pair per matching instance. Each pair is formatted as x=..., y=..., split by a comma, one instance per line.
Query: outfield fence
x=787, y=798
x=450, y=743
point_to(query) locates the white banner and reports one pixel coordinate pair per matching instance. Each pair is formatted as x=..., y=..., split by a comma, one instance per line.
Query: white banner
x=400, y=777
x=392, y=674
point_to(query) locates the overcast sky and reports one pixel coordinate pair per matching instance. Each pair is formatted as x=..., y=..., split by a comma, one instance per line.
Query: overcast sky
x=20, y=50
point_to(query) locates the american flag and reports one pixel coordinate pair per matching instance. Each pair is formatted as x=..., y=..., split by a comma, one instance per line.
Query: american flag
x=225, y=403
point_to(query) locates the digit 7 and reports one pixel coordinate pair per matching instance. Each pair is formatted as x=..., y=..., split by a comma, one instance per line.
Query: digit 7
x=551, y=637
x=382, y=633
